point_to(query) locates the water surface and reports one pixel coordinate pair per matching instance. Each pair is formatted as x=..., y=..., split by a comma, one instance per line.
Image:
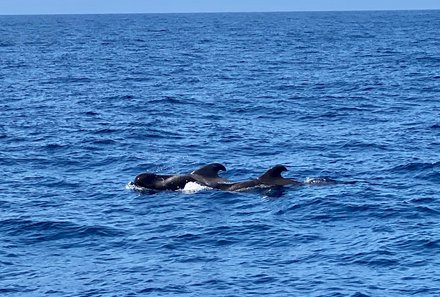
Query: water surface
x=89, y=101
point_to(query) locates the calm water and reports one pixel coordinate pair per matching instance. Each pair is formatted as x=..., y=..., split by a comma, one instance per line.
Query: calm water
x=88, y=102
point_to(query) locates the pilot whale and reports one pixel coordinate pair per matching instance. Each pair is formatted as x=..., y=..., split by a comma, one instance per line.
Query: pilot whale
x=270, y=178
x=205, y=176
x=208, y=176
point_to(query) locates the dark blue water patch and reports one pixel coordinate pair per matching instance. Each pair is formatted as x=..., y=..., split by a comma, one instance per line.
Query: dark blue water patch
x=429, y=171
x=34, y=232
x=429, y=61
x=91, y=113
x=170, y=100
x=16, y=289
x=120, y=97
x=167, y=289
x=104, y=142
x=422, y=200
x=67, y=80
x=385, y=208
x=105, y=131
x=380, y=258
x=359, y=294
x=6, y=44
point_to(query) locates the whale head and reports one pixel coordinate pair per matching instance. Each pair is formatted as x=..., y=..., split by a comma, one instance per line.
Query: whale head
x=145, y=180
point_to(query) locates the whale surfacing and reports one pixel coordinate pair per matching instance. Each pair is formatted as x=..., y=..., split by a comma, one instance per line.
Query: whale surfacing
x=273, y=177
x=205, y=176
x=208, y=176
x=270, y=178
x=162, y=182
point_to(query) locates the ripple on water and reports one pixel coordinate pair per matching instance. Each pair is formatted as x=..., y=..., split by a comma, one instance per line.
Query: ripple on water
x=33, y=232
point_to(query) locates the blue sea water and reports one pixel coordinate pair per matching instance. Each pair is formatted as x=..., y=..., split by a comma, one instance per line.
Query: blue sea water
x=88, y=102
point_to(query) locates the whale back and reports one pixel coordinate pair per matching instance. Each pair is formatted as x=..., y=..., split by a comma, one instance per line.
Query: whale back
x=273, y=173
x=176, y=182
x=208, y=175
x=210, y=170
x=273, y=177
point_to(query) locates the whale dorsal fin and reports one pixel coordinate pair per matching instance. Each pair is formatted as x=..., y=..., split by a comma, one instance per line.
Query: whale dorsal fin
x=210, y=170
x=274, y=172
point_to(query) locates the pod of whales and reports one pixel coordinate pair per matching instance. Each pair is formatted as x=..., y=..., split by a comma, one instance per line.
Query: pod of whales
x=208, y=176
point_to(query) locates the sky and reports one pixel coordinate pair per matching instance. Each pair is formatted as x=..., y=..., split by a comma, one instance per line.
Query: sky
x=167, y=6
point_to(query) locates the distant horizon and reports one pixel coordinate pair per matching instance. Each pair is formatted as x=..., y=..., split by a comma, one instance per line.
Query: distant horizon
x=75, y=7
x=216, y=12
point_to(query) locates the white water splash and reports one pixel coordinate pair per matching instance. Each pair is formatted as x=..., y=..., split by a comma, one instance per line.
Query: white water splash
x=132, y=186
x=193, y=187
x=319, y=181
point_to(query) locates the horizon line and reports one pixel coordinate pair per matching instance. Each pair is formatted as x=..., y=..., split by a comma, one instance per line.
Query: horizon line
x=216, y=12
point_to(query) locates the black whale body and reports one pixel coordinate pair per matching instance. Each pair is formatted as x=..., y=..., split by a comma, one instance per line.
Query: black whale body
x=271, y=178
x=206, y=176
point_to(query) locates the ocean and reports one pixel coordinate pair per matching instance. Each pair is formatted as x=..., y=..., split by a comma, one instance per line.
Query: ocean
x=90, y=101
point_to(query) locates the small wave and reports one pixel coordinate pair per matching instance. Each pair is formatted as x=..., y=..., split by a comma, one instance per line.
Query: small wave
x=416, y=244
x=428, y=171
x=361, y=144
x=120, y=97
x=419, y=200
x=417, y=166
x=104, y=142
x=6, y=44
x=105, y=131
x=377, y=258
x=170, y=99
x=66, y=80
x=38, y=231
x=428, y=60
x=54, y=146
